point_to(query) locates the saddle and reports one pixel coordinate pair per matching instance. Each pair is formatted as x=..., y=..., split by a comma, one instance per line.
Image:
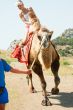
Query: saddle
x=21, y=53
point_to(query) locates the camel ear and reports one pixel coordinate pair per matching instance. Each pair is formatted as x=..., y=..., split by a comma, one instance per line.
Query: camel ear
x=50, y=34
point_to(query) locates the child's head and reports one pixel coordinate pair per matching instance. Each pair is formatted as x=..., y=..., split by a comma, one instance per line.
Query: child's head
x=20, y=4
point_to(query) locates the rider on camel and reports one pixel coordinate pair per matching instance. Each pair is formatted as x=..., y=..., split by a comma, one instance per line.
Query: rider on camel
x=30, y=20
x=33, y=25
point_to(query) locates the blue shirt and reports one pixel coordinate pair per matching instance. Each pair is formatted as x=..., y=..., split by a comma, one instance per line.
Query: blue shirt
x=4, y=67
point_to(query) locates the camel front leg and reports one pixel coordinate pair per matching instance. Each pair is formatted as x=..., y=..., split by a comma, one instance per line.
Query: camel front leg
x=30, y=83
x=45, y=101
x=38, y=70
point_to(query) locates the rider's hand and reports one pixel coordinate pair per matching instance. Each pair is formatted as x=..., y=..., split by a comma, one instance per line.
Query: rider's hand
x=21, y=44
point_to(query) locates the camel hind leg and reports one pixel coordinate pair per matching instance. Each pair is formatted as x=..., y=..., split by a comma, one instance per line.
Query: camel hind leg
x=55, y=67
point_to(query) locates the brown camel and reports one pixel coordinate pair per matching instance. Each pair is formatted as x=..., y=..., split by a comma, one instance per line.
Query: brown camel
x=47, y=57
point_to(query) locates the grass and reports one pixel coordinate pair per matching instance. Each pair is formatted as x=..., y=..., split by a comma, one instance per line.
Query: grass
x=6, y=55
x=65, y=64
x=65, y=68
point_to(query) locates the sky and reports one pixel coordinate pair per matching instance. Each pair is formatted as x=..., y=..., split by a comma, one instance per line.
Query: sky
x=56, y=15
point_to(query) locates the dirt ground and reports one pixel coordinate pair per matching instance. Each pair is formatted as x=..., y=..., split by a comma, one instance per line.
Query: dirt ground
x=21, y=99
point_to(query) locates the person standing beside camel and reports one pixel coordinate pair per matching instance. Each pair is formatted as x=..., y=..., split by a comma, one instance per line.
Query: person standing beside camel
x=5, y=67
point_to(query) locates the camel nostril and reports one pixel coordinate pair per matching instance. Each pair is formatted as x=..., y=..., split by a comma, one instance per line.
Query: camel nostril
x=46, y=44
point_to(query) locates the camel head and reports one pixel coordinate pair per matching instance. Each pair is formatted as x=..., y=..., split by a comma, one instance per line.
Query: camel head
x=44, y=35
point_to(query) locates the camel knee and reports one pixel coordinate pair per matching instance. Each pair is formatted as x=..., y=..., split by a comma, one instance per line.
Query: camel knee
x=57, y=80
x=55, y=67
x=43, y=85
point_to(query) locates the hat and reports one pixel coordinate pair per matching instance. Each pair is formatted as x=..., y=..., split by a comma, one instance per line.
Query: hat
x=19, y=2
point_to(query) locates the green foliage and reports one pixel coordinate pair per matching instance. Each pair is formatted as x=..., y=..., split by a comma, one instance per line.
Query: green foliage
x=66, y=52
x=64, y=41
x=62, y=53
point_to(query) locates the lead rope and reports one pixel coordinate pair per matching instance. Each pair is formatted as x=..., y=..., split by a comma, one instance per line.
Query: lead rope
x=33, y=63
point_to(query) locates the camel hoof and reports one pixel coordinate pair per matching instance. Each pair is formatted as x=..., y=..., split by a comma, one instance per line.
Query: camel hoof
x=46, y=94
x=54, y=91
x=32, y=90
x=46, y=102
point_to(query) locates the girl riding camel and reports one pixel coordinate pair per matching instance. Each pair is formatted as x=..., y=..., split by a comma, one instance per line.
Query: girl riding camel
x=30, y=20
x=32, y=25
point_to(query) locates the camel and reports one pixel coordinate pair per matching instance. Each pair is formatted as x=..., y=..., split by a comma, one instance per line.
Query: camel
x=47, y=58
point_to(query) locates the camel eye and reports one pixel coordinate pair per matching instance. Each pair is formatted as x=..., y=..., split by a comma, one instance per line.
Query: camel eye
x=39, y=37
x=49, y=37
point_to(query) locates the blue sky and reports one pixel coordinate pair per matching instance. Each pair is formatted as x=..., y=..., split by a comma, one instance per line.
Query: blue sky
x=56, y=15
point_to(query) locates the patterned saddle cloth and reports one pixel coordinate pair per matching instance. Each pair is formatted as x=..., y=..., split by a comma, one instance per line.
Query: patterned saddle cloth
x=21, y=53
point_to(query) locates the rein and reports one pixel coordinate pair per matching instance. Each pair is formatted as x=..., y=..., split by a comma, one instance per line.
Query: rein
x=42, y=42
x=36, y=56
x=37, y=53
x=34, y=62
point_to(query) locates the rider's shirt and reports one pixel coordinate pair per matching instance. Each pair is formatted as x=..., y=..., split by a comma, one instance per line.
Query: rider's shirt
x=26, y=16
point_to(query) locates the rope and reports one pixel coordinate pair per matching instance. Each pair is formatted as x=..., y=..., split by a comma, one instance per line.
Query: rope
x=33, y=63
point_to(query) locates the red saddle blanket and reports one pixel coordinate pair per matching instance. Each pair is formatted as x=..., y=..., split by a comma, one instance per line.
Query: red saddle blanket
x=22, y=53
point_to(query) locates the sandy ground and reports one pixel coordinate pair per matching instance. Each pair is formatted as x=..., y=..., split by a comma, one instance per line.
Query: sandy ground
x=21, y=99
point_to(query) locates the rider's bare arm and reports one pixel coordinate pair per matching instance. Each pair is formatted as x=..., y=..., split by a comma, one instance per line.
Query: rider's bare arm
x=21, y=15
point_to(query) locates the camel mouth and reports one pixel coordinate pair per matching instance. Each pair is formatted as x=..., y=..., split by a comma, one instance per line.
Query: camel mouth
x=45, y=44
